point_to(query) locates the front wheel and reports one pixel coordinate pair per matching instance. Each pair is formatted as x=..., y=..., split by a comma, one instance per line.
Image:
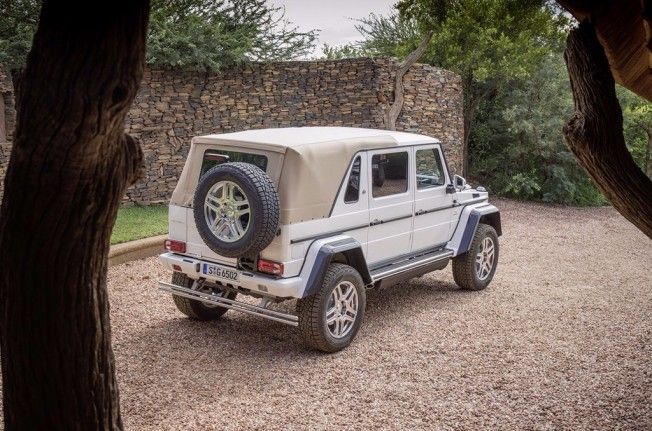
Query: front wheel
x=330, y=318
x=475, y=269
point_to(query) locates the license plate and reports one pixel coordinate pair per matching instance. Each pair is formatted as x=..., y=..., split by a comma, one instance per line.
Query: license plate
x=220, y=272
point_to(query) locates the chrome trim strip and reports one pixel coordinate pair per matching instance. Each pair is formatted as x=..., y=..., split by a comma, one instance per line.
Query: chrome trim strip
x=289, y=319
x=411, y=265
x=471, y=201
x=389, y=220
x=432, y=210
x=327, y=234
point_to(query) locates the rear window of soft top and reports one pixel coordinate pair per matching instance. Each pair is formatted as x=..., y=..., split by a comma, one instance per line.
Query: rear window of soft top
x=214, y=157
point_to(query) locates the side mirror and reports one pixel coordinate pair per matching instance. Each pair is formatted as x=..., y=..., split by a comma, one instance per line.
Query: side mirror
x=450, y=189
x=459, y=182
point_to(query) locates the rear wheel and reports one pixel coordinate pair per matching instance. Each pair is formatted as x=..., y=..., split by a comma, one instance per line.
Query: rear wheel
x=195, y=309
x=475, y=269
x=331, y=318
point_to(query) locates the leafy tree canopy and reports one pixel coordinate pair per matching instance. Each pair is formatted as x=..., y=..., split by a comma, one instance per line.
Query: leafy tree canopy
x=349, y=50
x=194, y=34
x=517, y=148
x=487, y=42
x=637, y=125
x=517, y=95
x=18, y=20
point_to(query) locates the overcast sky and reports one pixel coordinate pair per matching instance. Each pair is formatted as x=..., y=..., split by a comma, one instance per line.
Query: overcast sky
x=332, y=17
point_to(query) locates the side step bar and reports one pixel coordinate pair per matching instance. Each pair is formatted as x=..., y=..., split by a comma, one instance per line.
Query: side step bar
x=410, y=263
x=207, y=298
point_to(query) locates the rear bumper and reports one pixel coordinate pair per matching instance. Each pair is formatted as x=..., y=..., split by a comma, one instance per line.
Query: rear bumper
x=291, y=287
x=207, y=298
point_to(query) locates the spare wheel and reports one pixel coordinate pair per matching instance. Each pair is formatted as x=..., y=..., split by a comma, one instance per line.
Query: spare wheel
x=236, y=209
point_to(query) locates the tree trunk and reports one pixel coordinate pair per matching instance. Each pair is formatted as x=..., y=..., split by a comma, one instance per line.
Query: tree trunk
x=69, y=168
x=392, y=113
x=595, y=131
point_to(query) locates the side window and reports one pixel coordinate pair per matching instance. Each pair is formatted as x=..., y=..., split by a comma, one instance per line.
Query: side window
x=353, y=187
x=430, y=172
x=389, y=174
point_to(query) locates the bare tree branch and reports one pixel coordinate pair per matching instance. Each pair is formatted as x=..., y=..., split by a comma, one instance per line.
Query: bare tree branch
x=394, y=110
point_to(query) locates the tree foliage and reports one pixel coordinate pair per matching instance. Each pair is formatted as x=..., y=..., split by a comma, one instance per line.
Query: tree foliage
x=517, y=95
x=18, y=20
x=349, y=50
x=517, y=148
x=637, y=119
x=193, y=34
x=488, y=43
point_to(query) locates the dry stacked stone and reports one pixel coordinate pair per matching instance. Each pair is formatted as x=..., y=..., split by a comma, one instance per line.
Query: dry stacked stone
x=7, y=121
x=174, y=105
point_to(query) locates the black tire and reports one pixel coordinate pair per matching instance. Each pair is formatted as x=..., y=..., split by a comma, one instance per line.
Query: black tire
x=194, y=309
x=312, y=310
x=263, y=219
x=464, y=270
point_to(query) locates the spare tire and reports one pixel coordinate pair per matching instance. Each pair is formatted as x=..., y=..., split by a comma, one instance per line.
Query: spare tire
x=236, y=209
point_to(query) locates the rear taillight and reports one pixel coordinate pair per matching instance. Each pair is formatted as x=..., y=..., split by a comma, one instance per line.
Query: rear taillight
x=270, y=267
x=175, y=246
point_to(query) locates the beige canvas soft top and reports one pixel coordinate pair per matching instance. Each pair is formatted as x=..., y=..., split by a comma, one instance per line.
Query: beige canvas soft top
x=307, y=163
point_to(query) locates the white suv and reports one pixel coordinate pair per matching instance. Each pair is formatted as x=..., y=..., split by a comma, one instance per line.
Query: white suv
x=320, y=214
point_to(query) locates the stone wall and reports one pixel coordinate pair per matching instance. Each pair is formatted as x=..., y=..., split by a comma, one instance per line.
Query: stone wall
x=7, y=122
x=433, y=106
x=172, y=106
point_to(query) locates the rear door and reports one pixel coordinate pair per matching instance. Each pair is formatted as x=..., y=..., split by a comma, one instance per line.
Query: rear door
x=433, y=207
x=390, y=204
x=351, y=210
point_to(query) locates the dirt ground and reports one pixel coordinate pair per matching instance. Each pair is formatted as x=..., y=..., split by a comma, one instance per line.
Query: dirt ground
x=560, y=340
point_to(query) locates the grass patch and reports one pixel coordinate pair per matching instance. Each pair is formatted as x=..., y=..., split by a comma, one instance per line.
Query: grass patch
x=139, y=222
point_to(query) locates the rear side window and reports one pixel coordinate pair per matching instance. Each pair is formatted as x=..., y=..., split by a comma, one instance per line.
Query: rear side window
x=216, y=157
x=430, y=172
x=389, y=174
x=352, y=193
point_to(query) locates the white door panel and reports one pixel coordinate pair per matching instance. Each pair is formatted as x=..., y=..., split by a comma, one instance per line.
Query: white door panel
x=390, y=204
x=351, y=209
x=433, y=207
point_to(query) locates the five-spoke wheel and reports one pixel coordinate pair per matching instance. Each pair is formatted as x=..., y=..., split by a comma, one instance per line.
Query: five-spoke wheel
x=475, y=269
x=484, y=259
x=227, y=211
x=342, y=309
x=330, y=318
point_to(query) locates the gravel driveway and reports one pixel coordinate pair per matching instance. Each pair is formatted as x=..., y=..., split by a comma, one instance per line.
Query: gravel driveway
x=561, y=339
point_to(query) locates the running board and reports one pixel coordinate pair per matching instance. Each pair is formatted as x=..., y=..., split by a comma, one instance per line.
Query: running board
x=207, y=298
x=410, y=264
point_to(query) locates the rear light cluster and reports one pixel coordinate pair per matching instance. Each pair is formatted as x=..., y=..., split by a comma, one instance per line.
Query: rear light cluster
x=265, y=266
x=175, y=246
x=270, y=267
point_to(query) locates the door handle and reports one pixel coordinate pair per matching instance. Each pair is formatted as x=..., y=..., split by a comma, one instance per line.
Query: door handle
x=375, y=222
x=420, y=212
